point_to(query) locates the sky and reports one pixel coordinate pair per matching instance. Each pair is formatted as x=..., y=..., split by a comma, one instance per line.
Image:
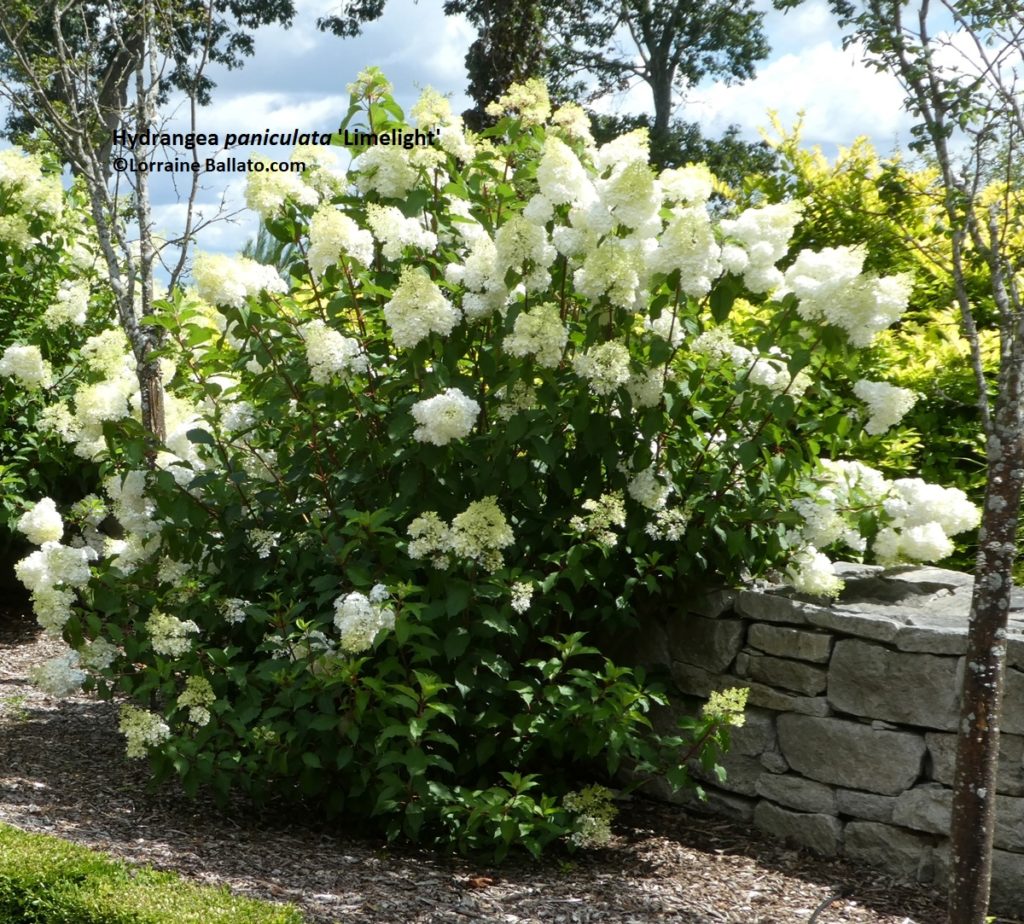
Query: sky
x=297, y=80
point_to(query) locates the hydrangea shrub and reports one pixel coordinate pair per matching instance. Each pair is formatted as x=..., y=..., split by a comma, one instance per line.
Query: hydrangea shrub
x=491, y=409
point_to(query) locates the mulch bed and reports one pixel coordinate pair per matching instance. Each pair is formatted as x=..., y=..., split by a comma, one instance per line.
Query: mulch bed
x=63, y=771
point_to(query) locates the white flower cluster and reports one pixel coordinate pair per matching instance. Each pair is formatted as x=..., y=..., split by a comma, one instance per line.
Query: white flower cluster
x=59, y=676
x=605, y=366
x=135, y=512
x=811, y=572
x=648, y=490
x=418, y=308
x=433, y=111
x=561, y=178
x=71, y=306
x=831, y=287
x=692, y=184
x=520, y=397
x=478, y=274
x=142, y=730
x=521, y=595
x=359, y=618
x=29, y=193
x=396, y=232
x=332, y=234
x=668, y=327
x=233, y=609
x=429, y=539
x=388, y=171
x=197, y=697
x=42, y=523
x=445, y=417
x=922, y=518
x=917, y=520
x=26, y=364
x=606, y=512
x=169, y=635
x=646, y=389
x=478, y=534
x=329, y=353
x=688, y=245
x=99, y=654
x=263, y=541
x=594, y=812
x=669, y=524
x=224, y=280
x=887, y=404
x=529, y=101
x=616, y=269
x=52, y=573
x=538, y=332
x=763, y=235
x=523, y=246
x=266, y=192
x=115, y=397
x=769, y=371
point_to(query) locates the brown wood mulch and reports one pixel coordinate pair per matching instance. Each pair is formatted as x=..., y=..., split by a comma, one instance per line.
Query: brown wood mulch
x=63, y=772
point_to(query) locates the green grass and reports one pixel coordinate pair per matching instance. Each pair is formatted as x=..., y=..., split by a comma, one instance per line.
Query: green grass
x=44, y=880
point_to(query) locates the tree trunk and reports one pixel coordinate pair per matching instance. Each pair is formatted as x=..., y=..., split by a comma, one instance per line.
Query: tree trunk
x=151, y=392
x=974, y=786
x=661, y=87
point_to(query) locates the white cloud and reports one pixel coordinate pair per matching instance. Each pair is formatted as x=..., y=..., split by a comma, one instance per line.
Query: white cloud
x=840, y=97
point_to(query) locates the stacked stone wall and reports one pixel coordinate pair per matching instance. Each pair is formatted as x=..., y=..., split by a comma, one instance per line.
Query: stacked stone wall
x=850, y=738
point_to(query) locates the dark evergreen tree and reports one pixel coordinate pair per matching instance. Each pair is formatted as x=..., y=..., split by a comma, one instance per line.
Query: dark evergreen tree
x=510, y=47
x=729, y=157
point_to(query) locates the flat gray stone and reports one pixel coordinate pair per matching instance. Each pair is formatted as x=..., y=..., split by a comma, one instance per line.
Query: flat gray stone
x=853, y=621
x=942, y=750
x=790, y=643
x=1012, y=719
x=865, y=806
x=1007, y=896
x=851, y=755
x=767, y=698
x=711, y=644
x=794, y=676
x=926, y=574
x=944, y=610
x=914, y=689
x=774, y=762
x=797, y=792
x=924, y=808
x=905, y=853
x=820, y=833
x=855, y=570
x=774, y=607
x=929, y=640
x=713, y=603
x=698, y=682
x=756, y=735
x=1015, y=651
x=717, y=802
x=741, y=773
x=1009, y=823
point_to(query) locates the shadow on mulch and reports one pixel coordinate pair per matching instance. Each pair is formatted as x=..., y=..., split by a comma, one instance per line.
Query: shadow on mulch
x=17, y=625
x=869, y=886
